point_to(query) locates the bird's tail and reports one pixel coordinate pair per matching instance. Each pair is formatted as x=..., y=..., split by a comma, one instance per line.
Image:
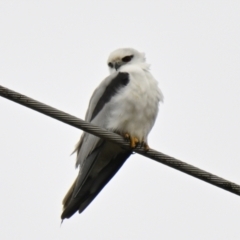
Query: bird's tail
x=68, y=196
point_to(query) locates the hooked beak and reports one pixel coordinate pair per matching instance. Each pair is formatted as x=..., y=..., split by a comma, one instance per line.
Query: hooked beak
x=117, y=65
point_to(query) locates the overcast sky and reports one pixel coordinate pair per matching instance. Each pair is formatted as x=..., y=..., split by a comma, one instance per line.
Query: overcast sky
x=56, y=52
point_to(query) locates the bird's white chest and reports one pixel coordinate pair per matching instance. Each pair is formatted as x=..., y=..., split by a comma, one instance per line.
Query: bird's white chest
x=134, y=108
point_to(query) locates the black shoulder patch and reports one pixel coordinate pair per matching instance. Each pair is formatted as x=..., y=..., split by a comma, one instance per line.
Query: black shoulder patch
x=120, y=81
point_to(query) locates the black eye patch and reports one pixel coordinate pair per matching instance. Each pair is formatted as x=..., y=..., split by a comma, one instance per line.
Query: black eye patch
x=110, y=65
x=127, y=58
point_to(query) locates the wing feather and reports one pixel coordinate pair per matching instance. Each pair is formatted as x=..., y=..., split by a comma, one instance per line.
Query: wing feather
x=99, y=160
x=98, y=110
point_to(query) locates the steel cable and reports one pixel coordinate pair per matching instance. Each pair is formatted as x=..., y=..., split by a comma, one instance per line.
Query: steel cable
x=103, y=133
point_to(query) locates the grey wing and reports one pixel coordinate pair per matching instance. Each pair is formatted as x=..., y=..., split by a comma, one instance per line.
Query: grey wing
x=92, y=104
x=98, y=110
x=99, y=160
x=85, y=139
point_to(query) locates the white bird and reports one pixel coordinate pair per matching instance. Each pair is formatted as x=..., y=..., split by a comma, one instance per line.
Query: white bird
x=126, y=102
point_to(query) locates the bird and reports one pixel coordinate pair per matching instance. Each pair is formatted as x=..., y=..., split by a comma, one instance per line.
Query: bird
x=127, y=103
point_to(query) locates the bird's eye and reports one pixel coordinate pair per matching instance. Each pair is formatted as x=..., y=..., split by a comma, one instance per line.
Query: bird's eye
x=127, y=58
x=110, y=65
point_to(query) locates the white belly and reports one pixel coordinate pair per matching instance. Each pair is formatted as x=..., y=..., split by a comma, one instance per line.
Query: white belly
x=135, y=107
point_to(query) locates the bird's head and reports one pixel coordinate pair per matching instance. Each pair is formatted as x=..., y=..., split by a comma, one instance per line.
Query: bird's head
x=124, y=56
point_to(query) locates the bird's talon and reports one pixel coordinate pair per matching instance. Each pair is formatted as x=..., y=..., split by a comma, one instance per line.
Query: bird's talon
x=133, y=141
x=146, y=147
x=126, y=135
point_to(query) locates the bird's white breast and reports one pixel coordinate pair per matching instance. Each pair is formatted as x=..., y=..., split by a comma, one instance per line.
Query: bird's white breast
x=135, y=107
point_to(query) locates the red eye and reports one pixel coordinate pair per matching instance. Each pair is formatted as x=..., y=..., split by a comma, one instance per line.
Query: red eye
x=127, y=58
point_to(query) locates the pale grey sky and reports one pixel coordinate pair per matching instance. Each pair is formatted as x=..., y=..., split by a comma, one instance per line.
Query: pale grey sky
x=56, y=52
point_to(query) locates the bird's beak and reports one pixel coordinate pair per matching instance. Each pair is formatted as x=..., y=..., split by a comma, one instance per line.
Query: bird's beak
x=117, y=65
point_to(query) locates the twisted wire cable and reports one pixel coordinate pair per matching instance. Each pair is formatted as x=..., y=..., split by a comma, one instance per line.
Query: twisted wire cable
x=113, y=137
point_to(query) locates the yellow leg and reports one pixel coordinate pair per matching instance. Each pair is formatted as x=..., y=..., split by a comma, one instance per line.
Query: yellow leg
x=133, y=140
x=126, y=135
x=146, y=147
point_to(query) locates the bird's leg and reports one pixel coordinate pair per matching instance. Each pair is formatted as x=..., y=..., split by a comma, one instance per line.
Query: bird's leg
x=133, y=140
x=145, y=145
x=126, y=135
